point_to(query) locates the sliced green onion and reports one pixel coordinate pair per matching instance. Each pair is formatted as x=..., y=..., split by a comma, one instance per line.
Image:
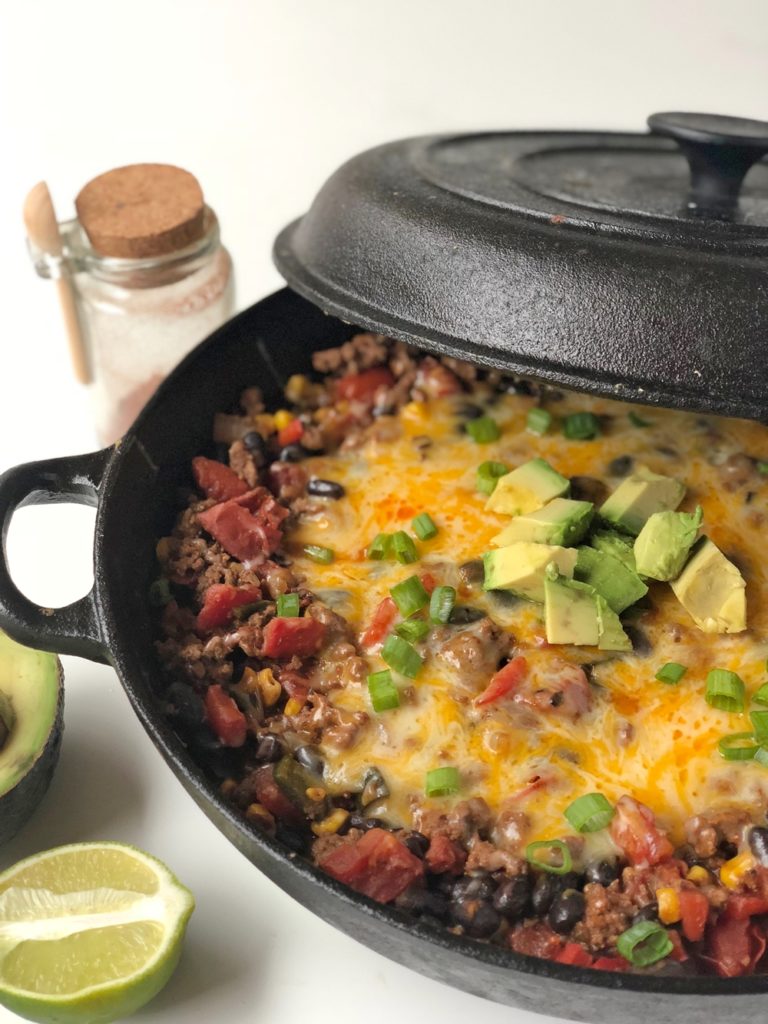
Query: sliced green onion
x=400, y=656
x=488, y=474
x=409, y=596
x=672, y=672
x=589, y=813
x=412, y=630
x=761, y=696
x=383, y=692
x=638, y=421
x=581, y=426
x=483, y=430
x=761, y=756
x=324, y=556
x=725, y=690
x=380, y=547
x=556, y=846
x=539, y=421
x=644, y=943
x=442, y=782
x=760, y=724
x=738, y=746
x=159, y=592
x=288, y=606
x=424, y=526
x=441, y=604
x=762, y=467
x=404, y=548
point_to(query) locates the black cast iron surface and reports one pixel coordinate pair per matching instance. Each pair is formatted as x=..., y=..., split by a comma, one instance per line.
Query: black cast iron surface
x=134, y=486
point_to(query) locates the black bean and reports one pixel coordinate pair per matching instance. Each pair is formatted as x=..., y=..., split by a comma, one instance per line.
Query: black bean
x=477, y=917
x=641, y=645
x=479, y=885
x=650, y=912
x=504, y=598
x=374, y=787
x=566, y=911
x=185, y=705
x=464, y=614
x=418, y=900
x=728, y=850
x=310, y=758
x=469, y=411
x=620, y=466
x=758, y=844
x=602, y=872
x=543, y=894
x=472, y=572
x=347, y=801
x=366, y=824
x=587, y=488
x=269, y=749
x=293, y=453
x=417, y=843
x=325, y=489
x=513, y=897
x=255, y=443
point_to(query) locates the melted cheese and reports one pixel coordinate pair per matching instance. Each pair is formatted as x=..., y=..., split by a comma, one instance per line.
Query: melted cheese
x=655, y=741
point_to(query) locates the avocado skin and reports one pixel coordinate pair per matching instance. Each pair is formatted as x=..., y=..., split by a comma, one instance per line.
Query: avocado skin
x=19, y=804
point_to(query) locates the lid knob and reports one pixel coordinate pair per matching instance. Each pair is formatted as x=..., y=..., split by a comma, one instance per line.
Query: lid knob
x=719, y=150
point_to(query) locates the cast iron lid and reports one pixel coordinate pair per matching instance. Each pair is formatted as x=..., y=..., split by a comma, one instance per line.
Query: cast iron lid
x=632, y=265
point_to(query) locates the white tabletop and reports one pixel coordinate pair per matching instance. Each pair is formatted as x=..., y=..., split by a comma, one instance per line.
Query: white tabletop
x=262, y=101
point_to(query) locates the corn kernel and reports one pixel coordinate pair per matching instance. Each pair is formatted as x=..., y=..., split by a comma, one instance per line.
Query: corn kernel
x=733, y=871
x=269, y=688
x=257, y=814
x=282, y=418
x=413, y=411
x=293, y=707
x=249, y=680
x=228, y=787
x=315, y=794
x=264, y=423
x=331, y=824
x=669, y=905
x=163, y=549
x=698, y=875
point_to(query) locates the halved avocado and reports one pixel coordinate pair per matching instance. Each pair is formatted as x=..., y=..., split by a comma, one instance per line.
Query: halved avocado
x=31, y=724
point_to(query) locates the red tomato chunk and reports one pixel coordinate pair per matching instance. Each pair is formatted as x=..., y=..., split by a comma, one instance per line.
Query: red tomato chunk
x=362, y=387
x=634, y=831
x=284, y=638
x=290, y=434
x=248, y=527
x=383, y=618
x=505, y=680
x=377, y=865
x=269, y=795
x=225, y=717
x=220, y=601
x=734, y=947
x=216, y=480
x=444, y=857
x=694, y=911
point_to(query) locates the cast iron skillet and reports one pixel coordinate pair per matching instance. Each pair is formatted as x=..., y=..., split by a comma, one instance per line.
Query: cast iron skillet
x=133, y=487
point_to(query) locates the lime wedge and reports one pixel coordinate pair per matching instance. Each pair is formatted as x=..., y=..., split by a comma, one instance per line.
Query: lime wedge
x=88, y=933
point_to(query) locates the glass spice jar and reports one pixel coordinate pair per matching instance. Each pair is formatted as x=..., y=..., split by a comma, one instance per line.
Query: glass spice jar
x=148, y=286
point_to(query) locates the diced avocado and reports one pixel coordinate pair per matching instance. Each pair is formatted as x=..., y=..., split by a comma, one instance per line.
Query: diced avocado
x=663, y=544
x=562, y=521
x=527, y=488
x=612, y=635
x=614, y=544
x=520, y=567
x=712, y=590
x=611, y=578
x=637, y=498
x=570, y=613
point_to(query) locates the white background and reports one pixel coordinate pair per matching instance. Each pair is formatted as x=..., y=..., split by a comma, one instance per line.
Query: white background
x=262, y=101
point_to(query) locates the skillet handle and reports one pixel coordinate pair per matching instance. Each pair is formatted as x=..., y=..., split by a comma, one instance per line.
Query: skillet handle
x=73, y=629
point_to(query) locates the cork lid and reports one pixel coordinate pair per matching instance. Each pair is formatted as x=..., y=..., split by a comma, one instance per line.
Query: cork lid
x=142, y=210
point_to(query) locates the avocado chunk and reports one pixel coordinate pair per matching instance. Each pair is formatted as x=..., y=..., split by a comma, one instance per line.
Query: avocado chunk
x=612, y=636
x=662, y=545
x=562, y=522
x=613, y=543
x=576, y=614
x=31, y=710
x=520, y=567
x=637, y=498
x=527, y=488
x=611, y=578
x=712, y=590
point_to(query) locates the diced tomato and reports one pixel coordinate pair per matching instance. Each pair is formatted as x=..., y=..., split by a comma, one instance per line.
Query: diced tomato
x=284, y=638
x=437, y=380
x=362, y=387
x=694, y=911
x=611, y=963
x=734, y=947
x=269, y=794
x=504, y=681
x=248, y=527
x=225, y=717
x=382, y=620
x=635, y=832
x=220, y=600
x=377, y=865
x=741, y=905
x=428, y=581
x=573, y=953
x=444, y=857
x=216, y=480
x=290, y=434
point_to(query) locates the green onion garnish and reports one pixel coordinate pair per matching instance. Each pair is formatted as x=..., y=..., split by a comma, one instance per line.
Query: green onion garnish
x=760, y=725
x=761, y=756
x=638, y=421
x=409, y=596
x=442, y=782
x=488, y=474
x=738, y=746
x=672, y=672
x=383, y=692
x=404, y=548
x=412, y=630
x=581, y=426
x=762, y=467
x=424, y=526
x=441, y=604
x=556, y=846
x=539, y=421
x=589, y=813
x=725, y=690
x=400, y=656
x=380, y=547
x=761, y=696
x=288, y=606
x=644, y=943
x=159, y=592
x=483, y=430
x=319, y=554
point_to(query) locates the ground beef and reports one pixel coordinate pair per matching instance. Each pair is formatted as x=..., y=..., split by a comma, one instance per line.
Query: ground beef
x=461, y=823
x=320, y=722
x=535, y=938
x=244, y=463
x=474, y=653
x=287, y=480
x=707, y=832
x=359, y=353
x=489, y=857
